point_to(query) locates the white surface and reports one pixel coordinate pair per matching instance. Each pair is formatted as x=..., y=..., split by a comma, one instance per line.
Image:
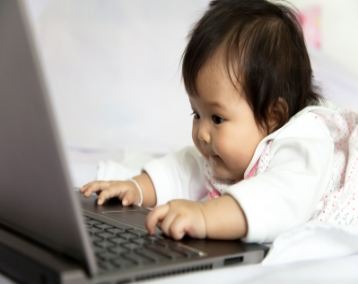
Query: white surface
x=333, y=271
x=313, y=241
x=114, y=70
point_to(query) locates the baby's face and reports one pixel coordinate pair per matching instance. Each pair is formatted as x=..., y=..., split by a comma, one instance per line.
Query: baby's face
x=224, y=128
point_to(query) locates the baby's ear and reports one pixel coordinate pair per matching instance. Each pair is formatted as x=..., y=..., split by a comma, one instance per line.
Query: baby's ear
x=278, y=114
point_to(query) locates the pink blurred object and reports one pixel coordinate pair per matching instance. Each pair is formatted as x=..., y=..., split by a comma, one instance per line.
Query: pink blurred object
x=310, y=19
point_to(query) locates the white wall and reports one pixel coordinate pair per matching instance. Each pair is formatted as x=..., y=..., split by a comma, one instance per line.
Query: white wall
x=114, y=66
x=114, y=70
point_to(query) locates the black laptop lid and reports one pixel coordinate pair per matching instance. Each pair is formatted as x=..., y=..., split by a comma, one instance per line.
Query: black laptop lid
x=36, y=197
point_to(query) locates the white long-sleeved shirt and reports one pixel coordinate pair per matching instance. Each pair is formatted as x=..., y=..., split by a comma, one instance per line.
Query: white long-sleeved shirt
x=295, y=166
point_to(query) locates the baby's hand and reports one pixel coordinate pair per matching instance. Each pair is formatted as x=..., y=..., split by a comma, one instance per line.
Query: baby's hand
x=124, y=190
x=178, y=218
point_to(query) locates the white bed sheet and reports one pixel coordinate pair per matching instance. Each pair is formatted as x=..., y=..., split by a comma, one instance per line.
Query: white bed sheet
x=328, y=271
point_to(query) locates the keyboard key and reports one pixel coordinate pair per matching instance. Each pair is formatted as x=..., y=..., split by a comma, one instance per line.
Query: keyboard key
x=128, y=236
x=95, y=238
x=122, y=262
x=91, y=222
x=139, y=242
x=107, y=266
x=118, y=250
x=104, y=235
x=104, y=244
x=103, y=226
x=106, y=255
x=150, y=239
x=139, y=259
x=115, y=230
x=131, y=246
x=118, y=240
x=94, y=230
x=137, y=232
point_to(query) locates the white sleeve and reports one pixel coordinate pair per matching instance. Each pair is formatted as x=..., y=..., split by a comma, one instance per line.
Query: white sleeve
x=287, y=192
x=177, y=176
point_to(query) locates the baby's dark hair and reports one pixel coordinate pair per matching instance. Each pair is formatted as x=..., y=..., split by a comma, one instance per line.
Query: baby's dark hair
x=265, y=53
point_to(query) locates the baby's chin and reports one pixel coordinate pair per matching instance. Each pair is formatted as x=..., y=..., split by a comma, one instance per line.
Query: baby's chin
x=225, y=178
x=220, y=173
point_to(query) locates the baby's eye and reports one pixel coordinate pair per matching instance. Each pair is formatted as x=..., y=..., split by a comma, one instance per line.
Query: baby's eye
x=195, y=115
x=217, y=119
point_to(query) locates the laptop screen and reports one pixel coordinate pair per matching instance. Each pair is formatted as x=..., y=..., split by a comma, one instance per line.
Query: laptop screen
x=36, y=197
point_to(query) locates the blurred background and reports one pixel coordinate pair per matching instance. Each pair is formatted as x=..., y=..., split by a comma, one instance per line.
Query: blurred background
x=114, y=67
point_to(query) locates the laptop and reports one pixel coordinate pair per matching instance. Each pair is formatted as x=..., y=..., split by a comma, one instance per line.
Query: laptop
x=48, y=232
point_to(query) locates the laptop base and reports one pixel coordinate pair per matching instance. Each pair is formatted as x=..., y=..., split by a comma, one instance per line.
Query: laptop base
x=26, y=262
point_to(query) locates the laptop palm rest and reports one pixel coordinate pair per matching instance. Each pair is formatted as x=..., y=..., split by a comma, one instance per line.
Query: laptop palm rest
x=113, y=209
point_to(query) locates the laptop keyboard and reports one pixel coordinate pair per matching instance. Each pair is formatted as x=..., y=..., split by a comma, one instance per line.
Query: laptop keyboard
x=122, y=247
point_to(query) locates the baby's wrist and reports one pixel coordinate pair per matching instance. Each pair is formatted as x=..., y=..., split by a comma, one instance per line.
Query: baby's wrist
x=139, y=190
x=149, y=194
x=202, y=210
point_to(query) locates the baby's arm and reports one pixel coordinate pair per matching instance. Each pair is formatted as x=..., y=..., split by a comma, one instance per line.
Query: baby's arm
x=225, y=219
x=126, y=190
x=220, y=218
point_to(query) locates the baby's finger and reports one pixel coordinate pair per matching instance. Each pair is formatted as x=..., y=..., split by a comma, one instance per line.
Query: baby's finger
x=85, y=186
x=95, y=186
x=156, y=216
x=108, y=193
x=178, y=228
x=166, y=223
x=129, y=198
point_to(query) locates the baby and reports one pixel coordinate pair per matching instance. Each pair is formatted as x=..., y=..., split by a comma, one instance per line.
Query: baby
x=265, y=148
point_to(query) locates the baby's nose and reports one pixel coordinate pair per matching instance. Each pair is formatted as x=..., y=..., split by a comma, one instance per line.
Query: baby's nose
x=204, y=134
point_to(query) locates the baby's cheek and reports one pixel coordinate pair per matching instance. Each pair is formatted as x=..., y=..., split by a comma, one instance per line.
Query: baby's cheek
x=237, y=166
